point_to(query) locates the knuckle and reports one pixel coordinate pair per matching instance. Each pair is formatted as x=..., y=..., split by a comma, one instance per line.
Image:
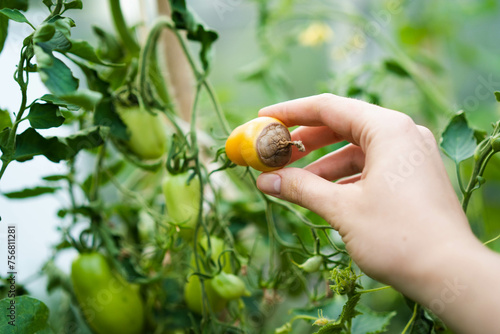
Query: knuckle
x=426, y=133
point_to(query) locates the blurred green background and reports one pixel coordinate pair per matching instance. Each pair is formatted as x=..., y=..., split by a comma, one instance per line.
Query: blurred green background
x=426, y=58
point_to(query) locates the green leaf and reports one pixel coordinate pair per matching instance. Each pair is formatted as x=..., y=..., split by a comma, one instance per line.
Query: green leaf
x=31, y=316
x=45, y=116
x=59, y=102
x=105, y=114
x=15, y=15
x=396, y=68
x=4, y=136
x=85, y=139
x=31, y=192
x=48, y=3
x=75, y=4
x=54, y=178
x=94, y=82
x=497, y=96
x=15, y=4
x=44, y=33
x=458, y=140
x=5, y=120
x=371, y=322
x=196, y=31
x=50, y=39
x=87, y=99
x=84, y=50
x=30, y=143
x=109, y=48
x=333, y=328
x=56, y=76
x=4, y=28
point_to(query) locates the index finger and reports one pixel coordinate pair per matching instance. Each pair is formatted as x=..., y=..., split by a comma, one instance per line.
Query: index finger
x=345, y=116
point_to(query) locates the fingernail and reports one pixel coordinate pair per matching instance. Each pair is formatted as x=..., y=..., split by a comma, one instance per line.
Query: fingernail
x=269, y=183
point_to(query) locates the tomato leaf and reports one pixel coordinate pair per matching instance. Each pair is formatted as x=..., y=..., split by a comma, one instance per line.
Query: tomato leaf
x=85, y=139
x=84, y=50
x=497, y=96
x=371, y=322
x=32, y=316
x=109, y=48
x=59, y=102
x=48, y=3
x=15, y=4
x=185, y=19
x=56, y=76
x=5, y=120
x=75, y=4
x=15, y=15
x=31, y=192
x=458, y=140
x=4, y=136
x=56, y=177
x=105, y=114
x=4, y=27
x=85, y=98
x=44, y=116
x=30, y=143
x=396, y=68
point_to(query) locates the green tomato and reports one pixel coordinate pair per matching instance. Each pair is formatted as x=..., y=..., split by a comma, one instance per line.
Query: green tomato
x=109, y=303
x=147, y=136
x=194, y=296
x=217, y=246
x=182, y=200
x=312, y=264
x=229, y=286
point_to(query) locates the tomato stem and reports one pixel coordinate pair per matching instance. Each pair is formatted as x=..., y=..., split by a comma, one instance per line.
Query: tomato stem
x=121, y=28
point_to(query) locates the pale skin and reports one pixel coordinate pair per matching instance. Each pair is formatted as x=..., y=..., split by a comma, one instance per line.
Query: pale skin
x=393, y=204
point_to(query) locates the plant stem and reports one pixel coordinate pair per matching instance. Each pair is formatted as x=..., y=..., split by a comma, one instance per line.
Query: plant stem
x=9, y=152
x=414, y=315
x=459, y=178
x=217, y=107
x=376, y=289
x=121, y=27
x=56, y=11
x=478, y=171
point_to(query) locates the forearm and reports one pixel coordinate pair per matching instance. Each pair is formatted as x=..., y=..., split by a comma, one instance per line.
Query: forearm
x=462, y=287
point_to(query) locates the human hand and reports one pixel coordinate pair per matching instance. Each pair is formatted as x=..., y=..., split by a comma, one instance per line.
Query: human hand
x=394, y=205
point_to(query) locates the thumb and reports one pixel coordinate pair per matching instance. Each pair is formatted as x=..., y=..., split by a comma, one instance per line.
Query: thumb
x=304, y=188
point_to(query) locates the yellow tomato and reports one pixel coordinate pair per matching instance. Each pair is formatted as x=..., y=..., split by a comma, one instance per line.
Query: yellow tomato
x=263, y=143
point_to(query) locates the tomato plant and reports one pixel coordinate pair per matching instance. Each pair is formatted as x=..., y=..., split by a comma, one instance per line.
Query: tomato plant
x=157, y=192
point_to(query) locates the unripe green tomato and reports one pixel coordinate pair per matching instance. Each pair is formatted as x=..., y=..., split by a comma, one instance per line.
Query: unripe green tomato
x=229, y=286
x=312, y=264
x=147, y=136
x=217, y=246
x=109, y=303
x=182, y=201
x=194, y=296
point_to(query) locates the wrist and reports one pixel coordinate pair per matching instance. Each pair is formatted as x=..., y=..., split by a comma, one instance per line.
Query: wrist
x=458, y=283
